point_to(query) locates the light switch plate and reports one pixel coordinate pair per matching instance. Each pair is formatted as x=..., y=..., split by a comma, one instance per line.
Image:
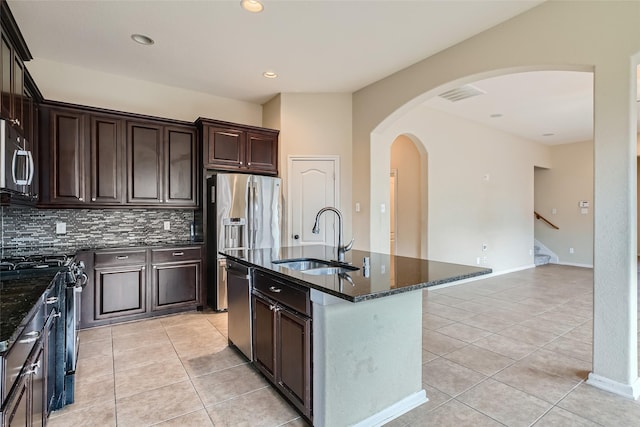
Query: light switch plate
x=61, y=228
x=167, y=225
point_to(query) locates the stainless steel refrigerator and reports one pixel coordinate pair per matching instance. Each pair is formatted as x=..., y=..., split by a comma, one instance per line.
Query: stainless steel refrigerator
x=244, y=212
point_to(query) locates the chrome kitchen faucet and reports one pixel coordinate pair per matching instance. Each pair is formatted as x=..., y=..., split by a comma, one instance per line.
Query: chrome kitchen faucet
x=316, y=229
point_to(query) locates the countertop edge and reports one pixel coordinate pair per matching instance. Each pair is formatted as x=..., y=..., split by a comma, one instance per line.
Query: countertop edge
x=362, y=298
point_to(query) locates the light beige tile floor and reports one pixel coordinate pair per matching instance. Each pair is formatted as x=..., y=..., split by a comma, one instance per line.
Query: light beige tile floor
x=512, y=350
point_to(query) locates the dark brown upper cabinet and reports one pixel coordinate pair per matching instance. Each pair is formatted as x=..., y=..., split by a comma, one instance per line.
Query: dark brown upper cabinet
x=13, y=54
x=85, y=157
x=239, y=148
x=161, y=164
x=99, y=158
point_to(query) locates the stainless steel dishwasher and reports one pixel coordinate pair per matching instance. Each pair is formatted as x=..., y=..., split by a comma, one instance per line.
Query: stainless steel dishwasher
x=239, y=306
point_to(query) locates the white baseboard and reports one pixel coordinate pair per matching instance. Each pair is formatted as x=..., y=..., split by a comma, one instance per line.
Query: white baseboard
x=485, y=276
x=574, y=264
x=394, y=411
x=630, y=391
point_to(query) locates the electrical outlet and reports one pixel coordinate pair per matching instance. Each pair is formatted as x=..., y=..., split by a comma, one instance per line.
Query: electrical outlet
x=167, y=225
x=61, y=228
x=570, y=250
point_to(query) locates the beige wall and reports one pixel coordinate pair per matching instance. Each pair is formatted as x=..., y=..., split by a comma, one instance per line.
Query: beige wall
x=574, y=33
x=67, y=83
x=568, y=181
x=598, y=36
x=480, y=188
x=315, y=125
x=405, y=158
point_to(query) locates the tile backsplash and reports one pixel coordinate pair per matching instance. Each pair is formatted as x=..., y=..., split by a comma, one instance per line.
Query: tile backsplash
x=24, y=227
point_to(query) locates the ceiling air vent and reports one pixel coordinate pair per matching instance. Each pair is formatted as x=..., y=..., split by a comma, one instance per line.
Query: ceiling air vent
x=460, y=93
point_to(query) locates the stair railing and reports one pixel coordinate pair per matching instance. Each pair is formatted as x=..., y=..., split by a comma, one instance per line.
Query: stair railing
x=545, y=220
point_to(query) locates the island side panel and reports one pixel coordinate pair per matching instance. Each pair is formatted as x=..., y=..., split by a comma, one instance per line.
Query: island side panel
x=367, y=357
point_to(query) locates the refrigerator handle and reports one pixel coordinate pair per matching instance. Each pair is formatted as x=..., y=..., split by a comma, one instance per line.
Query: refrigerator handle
x=255, y=215
x=250, y=216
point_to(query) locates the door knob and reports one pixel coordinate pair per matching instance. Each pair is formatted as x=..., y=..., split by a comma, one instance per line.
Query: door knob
x=296, y=236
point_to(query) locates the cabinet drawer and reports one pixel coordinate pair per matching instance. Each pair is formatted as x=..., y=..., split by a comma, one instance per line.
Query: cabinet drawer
x=175, y=255
x=285, y=293
x=20, y=350
x=120, y=258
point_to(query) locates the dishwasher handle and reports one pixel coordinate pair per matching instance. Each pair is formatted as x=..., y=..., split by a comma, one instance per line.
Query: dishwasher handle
x=238, y=271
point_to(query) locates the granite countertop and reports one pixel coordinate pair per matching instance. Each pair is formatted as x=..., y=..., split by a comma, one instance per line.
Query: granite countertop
x=141, y=245
x=387, y=275
x=18, y=301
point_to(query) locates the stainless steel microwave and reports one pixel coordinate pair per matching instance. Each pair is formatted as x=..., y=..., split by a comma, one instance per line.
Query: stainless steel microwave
x=16, y=161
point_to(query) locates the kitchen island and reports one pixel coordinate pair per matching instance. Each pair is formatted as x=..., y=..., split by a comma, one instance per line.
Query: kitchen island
x=366, y=329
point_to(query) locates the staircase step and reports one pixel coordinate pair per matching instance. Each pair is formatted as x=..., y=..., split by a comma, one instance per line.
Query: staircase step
x=541, y=259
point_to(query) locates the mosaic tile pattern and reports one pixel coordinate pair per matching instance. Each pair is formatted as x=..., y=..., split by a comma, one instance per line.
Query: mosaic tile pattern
x=24, y=227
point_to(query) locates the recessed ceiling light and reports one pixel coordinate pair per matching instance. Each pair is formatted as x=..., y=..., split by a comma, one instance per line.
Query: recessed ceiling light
x=142, y=39
x=252, y=6
x=270, y=74
x=495, y=116
x=548, y=134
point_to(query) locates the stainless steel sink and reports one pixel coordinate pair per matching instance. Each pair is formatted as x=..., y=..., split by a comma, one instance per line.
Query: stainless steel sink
x=302, y=263
x=315, y=267
x=329, y=270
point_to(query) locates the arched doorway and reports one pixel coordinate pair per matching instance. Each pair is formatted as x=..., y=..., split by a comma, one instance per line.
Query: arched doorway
x=407, y=198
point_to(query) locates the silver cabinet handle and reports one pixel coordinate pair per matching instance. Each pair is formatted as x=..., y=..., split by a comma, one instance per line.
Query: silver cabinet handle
x=121, y=257
x=275, y=290
x=33, y=337
x=52, y=300
x=34, y=368
x=178, y=254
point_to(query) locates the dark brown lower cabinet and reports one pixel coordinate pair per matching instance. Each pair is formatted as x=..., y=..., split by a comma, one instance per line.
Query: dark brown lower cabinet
x=294, y=358
x=282, y=349
x=264, y=338
x=26, y=406
x=135, y=283
x=120, y=291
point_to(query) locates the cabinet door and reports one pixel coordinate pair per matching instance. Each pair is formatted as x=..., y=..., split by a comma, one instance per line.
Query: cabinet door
x=18, y=409
x=6, y=55
x=106, y=155
x=38, y=389
x=17, y=92
x=120, y=292
x=264, y=336
x=180, y=156
x=294, y=357
x=144, y=163
x=175, y=285
x=224, y=148
x=262, y=152
x=68, y=136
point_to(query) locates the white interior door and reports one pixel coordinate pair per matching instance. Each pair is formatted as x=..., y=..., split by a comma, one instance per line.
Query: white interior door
x=313, y=185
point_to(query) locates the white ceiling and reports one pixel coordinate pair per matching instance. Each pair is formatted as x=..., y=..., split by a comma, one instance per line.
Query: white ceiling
x=551, y=107
x=214, y=46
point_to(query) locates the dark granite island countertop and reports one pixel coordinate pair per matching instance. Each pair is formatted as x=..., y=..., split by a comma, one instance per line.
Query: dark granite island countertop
x=18, y=301
x=387, y=274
